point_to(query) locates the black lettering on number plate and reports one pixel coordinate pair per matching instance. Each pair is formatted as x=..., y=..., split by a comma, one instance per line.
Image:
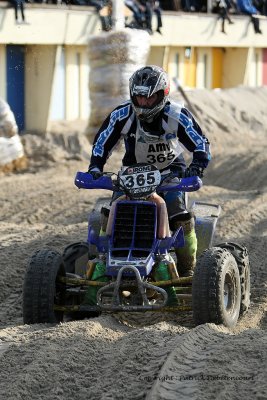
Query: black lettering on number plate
x=150, y=178
x=160, y=158
x=140, y=179
x=129, y=181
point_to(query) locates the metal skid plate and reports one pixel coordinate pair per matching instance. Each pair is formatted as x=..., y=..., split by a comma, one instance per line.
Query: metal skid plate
x=206, y=219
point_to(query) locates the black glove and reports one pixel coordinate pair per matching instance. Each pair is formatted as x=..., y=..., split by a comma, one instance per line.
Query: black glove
x=194, y=170
x=95, y=173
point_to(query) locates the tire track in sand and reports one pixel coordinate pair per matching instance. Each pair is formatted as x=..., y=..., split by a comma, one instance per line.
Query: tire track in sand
x=201, y=368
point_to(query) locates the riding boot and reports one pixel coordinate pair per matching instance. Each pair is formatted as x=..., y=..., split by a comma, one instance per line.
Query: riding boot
x=186, y=256
x=161, y=273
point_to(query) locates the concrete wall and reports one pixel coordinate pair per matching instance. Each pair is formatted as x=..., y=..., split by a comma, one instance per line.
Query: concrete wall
x=175, y=65
x=211, y=67
x=77, y=73
x=46, y=87
x=204, y=68
x=233, y=71
x=39, y=73
x=57, y=25
x=255, y=67
x=217, y=67
x=62, y=25
x=204, y=29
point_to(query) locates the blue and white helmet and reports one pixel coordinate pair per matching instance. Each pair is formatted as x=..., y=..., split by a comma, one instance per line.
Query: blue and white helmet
x=145, y=82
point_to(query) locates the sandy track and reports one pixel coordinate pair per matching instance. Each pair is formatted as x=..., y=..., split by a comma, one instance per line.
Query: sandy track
x=134, y=356
x=200, y=361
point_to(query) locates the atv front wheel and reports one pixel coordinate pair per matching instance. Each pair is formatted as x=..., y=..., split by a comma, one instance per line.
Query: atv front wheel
x=216, y=292
x=42, y=289
x=240, y=254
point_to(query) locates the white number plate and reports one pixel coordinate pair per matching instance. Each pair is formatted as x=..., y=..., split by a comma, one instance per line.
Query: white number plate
x=141, y=180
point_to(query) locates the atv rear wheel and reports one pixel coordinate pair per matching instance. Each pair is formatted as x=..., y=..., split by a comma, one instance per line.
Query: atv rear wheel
x=76, y=253
x=216, y=292
x=42, y=289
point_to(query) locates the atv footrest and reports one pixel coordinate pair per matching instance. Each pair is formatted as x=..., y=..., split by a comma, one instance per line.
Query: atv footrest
x=206, y=219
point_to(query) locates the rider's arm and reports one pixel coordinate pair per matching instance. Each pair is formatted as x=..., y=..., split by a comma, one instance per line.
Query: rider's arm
x=191, y=136
x=108, y=136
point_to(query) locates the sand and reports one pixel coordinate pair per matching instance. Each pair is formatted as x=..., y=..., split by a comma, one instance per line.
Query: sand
x=136, y=356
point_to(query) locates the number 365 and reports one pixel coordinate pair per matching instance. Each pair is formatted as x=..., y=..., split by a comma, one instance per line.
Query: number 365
x=160, y=158
x=140, y=180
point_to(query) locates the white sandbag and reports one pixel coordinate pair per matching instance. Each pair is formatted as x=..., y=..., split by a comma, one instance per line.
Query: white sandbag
x=130, y=44
x=113, y=58
x=112, y=79
x=8, y=126
x=10, y=149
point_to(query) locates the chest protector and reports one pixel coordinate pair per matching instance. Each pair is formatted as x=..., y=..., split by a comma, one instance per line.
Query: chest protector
x=163, y=151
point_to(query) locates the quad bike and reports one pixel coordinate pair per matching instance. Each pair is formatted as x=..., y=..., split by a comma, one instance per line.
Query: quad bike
x=128, y=241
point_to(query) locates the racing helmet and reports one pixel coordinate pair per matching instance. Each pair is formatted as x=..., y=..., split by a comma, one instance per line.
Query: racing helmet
x=151, y=82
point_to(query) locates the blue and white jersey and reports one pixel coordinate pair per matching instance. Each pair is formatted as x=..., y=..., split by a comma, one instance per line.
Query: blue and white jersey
x=176, y=130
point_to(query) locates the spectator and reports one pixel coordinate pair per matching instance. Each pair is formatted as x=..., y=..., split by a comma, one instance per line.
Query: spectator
x=147, y=9
x=246, y=7
x=261, y=6
x=106, y=21
x=142, y=11
x=222, y=8
x=19, y=4
x=192, y=5
x=139, y=16
x=157, y=11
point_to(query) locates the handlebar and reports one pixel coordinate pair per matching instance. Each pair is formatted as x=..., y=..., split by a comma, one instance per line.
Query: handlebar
x=189, y=184
x=84, y=180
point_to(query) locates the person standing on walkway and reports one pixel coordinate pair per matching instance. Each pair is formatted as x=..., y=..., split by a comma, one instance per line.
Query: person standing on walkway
x=19, y=4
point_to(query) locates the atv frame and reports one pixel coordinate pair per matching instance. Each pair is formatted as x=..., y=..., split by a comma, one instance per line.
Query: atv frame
x=219, y=291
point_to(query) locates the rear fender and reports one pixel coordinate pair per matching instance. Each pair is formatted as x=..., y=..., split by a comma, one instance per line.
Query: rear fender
x=101, y=242
x=206, y=219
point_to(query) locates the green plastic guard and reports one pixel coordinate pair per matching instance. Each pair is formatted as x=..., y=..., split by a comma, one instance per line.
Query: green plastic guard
x=161, y=273
x=98, y=275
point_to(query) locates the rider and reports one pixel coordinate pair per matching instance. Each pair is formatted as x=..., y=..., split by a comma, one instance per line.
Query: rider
x=155, y=130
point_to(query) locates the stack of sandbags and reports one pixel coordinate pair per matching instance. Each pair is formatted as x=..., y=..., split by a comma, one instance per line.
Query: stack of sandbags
x=11, y=149
x=113, y=58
